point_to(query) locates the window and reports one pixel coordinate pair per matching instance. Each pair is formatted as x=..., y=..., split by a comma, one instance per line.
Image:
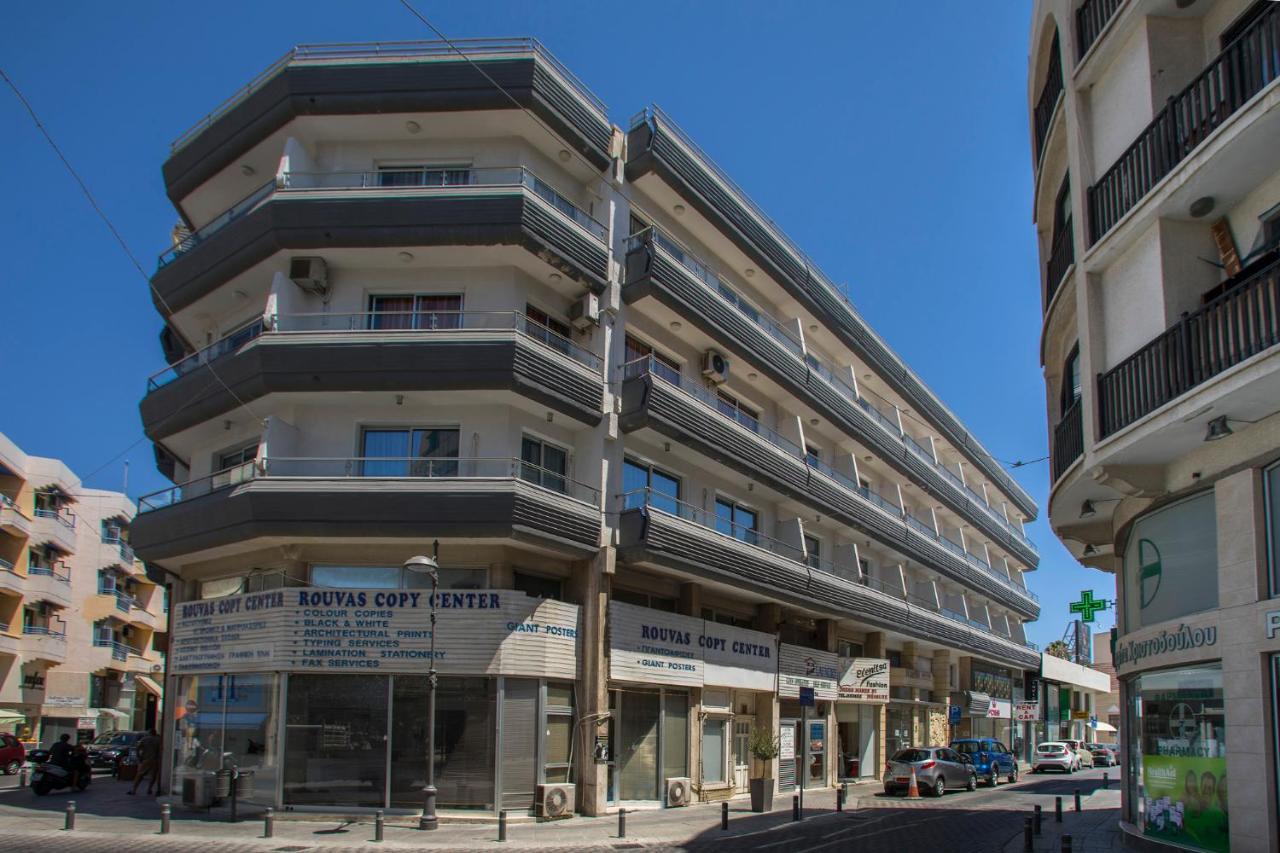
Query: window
x=738, y=521
x=1071, y=379
x=537, y=586
x=664, y=366
x=373, y=577
x=849, y=648
x=1271, y=498
x=423, y=176
x=543, y=464
x=1062, y=210
x=812, y=456
x=644, y=599
x=557, y=744
x=235, y=466
x=721, y=618
x=426, y=452
x=235, y=458
x=733, y=407
x=641, y=480
x=637, y=224
x=543, y=327
x=714, y=749
x=812, y=551
x=112, y=530
x=416, y=311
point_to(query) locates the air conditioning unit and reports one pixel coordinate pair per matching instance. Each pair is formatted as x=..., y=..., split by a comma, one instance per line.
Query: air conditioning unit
x=555, y=801
x=585, y=312
x=310, y=274
x=715, y=367
x=679, y=791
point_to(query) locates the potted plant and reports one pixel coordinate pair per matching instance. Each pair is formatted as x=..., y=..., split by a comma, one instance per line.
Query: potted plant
x=763, y=746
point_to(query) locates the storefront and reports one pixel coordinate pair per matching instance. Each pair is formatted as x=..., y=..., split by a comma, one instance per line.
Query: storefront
x=987, y=702
x=322, y=694
x=863, y=695
x=805, y=749
x=683, y=695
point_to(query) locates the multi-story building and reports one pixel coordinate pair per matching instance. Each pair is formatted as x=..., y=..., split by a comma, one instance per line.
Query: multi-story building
x=673, y=475
x=1157, y=203
x=79, y=617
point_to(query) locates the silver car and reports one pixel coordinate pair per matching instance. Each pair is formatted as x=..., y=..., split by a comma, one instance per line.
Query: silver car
x=937, y=769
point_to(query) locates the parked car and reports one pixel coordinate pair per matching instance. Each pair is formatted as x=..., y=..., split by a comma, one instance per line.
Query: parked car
x=1055, y=755
x=12, y=754
x=1082, y=753
x=110, y=748
x=991, y=758
x=937, y=768
x=1104, y=754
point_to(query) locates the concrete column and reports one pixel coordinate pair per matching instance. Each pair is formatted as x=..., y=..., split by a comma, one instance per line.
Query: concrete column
x=909, y=654
x=589, y=587
x=690, y=599
x=826, y=634
x=875, y=645
x=768, y=619
x=942, y=660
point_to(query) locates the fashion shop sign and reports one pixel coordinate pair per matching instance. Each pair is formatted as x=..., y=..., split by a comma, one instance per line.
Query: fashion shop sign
x=481, y=632
x=655, y=647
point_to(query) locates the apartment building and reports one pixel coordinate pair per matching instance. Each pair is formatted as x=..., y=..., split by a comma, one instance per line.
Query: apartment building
x=1157, y=204
x=672, y=475
x=79, y=618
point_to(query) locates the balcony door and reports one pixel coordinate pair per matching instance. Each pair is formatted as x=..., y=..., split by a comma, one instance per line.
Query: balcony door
x=415, y=311
x=738, y=521
x=410, y=452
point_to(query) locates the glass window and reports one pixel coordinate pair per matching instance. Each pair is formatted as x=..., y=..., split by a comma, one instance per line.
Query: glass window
x=812, y=456
x=543, y=463
x=336, y=740
x=552, y=332
x=675, y=735
x=663, y=488
x=415, y=311
x=537, y=586
x=737, y=521
x=1271, y=490
x=664, y=366
x=812, y=551
x=644, y=599
x=734, y=408
x=465, y=735
x=1171, y=563
x=556, y=743
x=357, y=577
x=239, y=456
x=714, y=749
x=423, y=176
x=427, y=452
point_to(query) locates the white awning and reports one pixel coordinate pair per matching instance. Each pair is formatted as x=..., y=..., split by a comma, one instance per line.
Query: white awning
x=148, y=684
x=110, y=712
x=1103, y=727
x=8, y=716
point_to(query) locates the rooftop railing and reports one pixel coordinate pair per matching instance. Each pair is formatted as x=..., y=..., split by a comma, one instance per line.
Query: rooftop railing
x=338, y=52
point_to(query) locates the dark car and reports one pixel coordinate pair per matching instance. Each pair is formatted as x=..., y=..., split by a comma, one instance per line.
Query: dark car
x=991, y=758
x=1104, y=754
x=110, y=748
x=12, y=754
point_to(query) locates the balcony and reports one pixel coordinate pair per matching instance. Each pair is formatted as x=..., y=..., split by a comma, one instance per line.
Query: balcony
x=56, y=527
x=12, y=520
x=1061, y=257
x=50, y=583
x=119, y=651
x=684, y=411
x=42, y=642
x=350, y=498
x=657, y=146
x=1068, y=440
x=122, y=548
x=658, y=267
x=1047, y=103
x=1091, y=19
x=392, y=77
x=1247, y=66
x=10, y=645
x=1241, y=323
x=660, y=531
x=376, y=351
x=508, y=206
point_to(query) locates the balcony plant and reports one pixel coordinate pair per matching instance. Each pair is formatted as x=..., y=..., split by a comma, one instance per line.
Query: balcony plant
x=762, y=743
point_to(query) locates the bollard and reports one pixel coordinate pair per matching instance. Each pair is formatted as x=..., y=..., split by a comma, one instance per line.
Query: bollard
x=1066, y=844
x=1077, y=799
x=379, y=825
x=1027, y=844
x=795, y=807
x=724, y=815
x=502, y=825
x=269, y=823
x=622, y=823
x=1037, y=820
x=1106, y=780
x=840, y=799
x=71, y=815
x=164, y=819
x=24, y=776
x=1057, y=809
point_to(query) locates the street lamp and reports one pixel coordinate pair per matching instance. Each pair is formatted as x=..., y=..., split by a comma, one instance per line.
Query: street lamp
x=431, y=567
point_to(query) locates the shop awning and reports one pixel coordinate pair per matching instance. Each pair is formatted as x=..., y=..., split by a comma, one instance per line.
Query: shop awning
x=148, y=685
x=110, y=712
x=7, y=716
x=978, y=704
x=1103, y=727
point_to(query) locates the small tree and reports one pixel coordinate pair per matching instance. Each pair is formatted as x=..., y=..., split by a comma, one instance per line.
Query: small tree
x=762, y=744
x=1059, y=649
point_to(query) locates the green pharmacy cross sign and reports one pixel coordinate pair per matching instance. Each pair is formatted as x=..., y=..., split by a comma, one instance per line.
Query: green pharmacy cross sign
x=1088, y=606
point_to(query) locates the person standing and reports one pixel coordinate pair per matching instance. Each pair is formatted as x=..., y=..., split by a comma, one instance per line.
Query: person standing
x=148, y=762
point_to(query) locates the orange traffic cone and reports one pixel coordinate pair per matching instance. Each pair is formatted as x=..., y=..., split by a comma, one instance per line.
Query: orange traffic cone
x=913, y=790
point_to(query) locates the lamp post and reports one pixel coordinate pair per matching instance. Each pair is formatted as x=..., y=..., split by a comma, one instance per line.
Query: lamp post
x=431, y=567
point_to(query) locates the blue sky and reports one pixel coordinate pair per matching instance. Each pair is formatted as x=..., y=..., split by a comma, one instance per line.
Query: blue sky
x=891, y=144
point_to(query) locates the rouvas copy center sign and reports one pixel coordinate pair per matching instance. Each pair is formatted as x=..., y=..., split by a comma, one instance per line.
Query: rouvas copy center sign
x=491, y=632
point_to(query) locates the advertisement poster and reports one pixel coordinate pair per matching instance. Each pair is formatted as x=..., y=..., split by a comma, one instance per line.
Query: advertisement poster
x=786, y=743
x=1185, y=800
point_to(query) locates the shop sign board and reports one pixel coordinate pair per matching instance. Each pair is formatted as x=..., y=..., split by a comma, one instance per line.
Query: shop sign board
x=1026, y=712
x=1079, y=715
x=1000, y=709
x=655, y=647
x=481, y=632
x=801, y=667
x=864, y=680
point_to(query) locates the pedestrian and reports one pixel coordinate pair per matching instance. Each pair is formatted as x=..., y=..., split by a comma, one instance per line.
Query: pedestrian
x=148, y=762
x=60, y=752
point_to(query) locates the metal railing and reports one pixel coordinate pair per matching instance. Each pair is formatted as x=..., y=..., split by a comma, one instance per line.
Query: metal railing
x=1232, y=327
x=214, y=351
x=44, y=631
x=6, y=566
x=1050, y=94
x=1244, y=68
x=122, y=546
x=65, y=518
x=339, y=51
x=119, y=650
x=374, y=467
x=1068, y=440
x=190, y=239
x=52, y=571
x=1061, y=256
x=1091, y=19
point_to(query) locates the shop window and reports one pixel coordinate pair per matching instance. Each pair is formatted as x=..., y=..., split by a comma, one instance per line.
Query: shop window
x=543, y=463
x=644, y=599
x=537, y=586
x=1271, y=492
x=221, y=587
x=233, y=714
x=644, y=483
x=714, y=750
x=410, y=452
x=1171, y=563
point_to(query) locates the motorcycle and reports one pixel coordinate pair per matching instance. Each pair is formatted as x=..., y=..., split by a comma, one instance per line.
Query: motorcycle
x=48, y=777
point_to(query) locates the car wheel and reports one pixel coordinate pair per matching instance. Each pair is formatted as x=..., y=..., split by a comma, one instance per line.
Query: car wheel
x=994, y=779
x=12, y=767
x=973, y=782
x=1013, y=775
x=939, y=787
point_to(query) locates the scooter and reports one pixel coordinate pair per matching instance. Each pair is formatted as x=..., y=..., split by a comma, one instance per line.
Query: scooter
x=49, y=777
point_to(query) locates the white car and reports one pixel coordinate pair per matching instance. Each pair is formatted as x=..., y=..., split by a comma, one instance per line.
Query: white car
x=1055, y=755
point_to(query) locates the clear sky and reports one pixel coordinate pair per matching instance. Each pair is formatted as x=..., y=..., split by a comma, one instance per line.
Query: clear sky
x=890, y=143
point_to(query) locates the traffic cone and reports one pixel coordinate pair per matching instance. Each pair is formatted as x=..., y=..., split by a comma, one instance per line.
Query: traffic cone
x=913, y=790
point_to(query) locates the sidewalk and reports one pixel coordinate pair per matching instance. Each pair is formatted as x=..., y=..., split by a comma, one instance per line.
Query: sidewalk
x=1095, y=829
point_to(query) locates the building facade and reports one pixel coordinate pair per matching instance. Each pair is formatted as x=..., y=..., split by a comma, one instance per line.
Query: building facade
x=673, y=476
x=1157, y=206
x=80, y=619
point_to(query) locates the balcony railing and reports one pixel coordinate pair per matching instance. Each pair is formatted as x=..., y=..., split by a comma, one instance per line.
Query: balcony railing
x=1231, y=328
x=771, y=326
x=59, y=573
x=44, y=631
x=1050, y=94
x=216, y=350
x=1061, y=257
x=126, y=551
x=63, y=517
x=400, y=468
x=119, y=651
x=191, y=239
x=1243, y=69
x=1068, y=440
x=5, y=565
x=1091, y=19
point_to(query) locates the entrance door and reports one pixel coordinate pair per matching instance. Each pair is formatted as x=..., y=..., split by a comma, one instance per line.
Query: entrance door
x=788, y=753
x=637, y=747
x=741, y=753
x=816, y=759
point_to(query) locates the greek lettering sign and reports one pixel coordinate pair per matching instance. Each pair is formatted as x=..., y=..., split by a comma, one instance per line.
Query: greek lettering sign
x=864, y=680
x=481, y=632
x=1182, y=638
x=654, y=647
x=800, y=667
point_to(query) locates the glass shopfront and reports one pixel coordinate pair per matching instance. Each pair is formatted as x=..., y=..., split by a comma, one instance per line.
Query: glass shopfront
x=857, y=734
x=1177, y=779
x=648, y=742
x=224, y=721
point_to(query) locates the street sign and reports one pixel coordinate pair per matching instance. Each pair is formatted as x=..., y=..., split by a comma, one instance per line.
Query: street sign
x=1088, y=606
x=806, y=697
x=953, y=714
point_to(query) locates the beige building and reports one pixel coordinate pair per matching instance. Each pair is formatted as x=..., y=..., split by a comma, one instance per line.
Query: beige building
x=1154, y=127
x=79, y=618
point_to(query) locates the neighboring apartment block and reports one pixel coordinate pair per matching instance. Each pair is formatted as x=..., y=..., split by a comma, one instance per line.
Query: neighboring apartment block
x=673, y=475
x=1155, y=128
x=79, y=618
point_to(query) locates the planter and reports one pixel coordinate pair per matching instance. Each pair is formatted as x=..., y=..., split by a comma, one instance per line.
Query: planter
x=762, y=795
